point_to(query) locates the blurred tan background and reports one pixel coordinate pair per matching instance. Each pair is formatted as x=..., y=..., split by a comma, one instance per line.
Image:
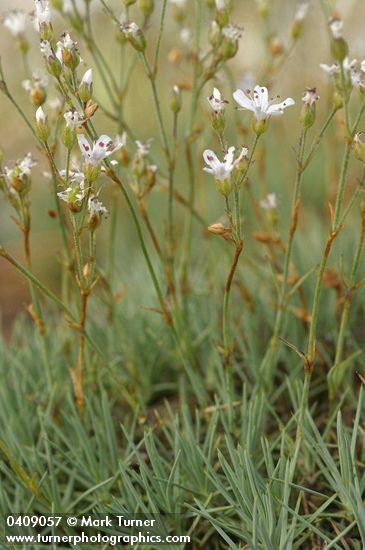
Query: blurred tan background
x=301, y=70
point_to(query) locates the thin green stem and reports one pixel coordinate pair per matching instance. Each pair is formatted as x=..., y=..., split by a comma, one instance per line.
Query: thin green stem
x=348, y=296
x=151, y=77
x=159, y=38
x=270, y=356
x=146, y=255
x=78, y=250
x=332, y=235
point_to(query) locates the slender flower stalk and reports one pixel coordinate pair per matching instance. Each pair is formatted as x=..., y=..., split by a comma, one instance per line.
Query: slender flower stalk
x=350, y=289
x=269, y=359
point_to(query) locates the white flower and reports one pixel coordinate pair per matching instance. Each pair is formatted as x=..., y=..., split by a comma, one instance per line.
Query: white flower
x=72, y=194
x=329, y=69
x=259, y=103
x=40, y=116
x=42, y=12
x=15, y=21
x=220, y=4
x=185, y=35
x=73, y=119
x=232, y=32
x=130, y=29
x=21, y=171
x=66, y=42
x=26, y=164
x=46, y=49
x=96, y=207
x=357, y=138
x=87, y=79
x=55, y=103
x=310, y=96
x=349, y=67
x=302, y=11
x=102, y=148
x=75, y=176
x=38, y=80
x=76, y=191
x=270, y=202
x=222, y=170
x=143, y=148
x=336, y=28
x=217, y=103
x=121, y=140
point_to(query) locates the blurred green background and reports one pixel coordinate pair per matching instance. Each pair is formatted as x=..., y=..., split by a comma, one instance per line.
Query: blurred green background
x=300, y=70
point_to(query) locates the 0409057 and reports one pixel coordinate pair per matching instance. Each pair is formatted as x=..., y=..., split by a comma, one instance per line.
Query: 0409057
x=33, y=521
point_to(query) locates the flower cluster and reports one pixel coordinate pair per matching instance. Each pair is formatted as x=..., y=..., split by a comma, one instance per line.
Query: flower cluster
x=222, y=170
x=263, y=109
x=18, y=178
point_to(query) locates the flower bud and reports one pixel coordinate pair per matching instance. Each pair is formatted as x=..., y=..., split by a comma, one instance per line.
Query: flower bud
x=91, y=108
x=339, y=45
x=139, y=167
x=46, y=31
x=175, y=56
x=221, y=231
x=276, y=46
x=86, y=86
x=337, y=100
x=20, y=184
x=214, y=35
x=359, y=147
x=298, y=23
x=151, y=176
x=53, y=64
x=179, y=11
x=229, y=45
x=175, y=102
x=222, y=17
x=264, y=8
x=38, y=96
x=69, y=53
x=42, y=128
x=339, y=49
x=68, y=137
x=147, y=7
x=123, y=157
x=96, y=212
x=134, y=36
x=308, y=113
x=296, y=29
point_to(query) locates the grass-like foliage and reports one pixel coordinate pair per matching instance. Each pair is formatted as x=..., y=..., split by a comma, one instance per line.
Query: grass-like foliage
x=200, y=355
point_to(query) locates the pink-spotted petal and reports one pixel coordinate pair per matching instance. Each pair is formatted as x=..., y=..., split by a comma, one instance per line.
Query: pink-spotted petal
x=210, y=158
x=84, y=146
